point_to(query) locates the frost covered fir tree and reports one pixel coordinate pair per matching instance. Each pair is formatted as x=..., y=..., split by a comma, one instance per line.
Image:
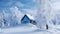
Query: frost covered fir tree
x=4, y=18
x=43, y=14
x=16, y=15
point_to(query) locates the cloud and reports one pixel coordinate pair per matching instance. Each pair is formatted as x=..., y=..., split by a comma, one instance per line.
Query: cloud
x=30, y=11
x=8, y=3
x=34, y=0
x=19, y=3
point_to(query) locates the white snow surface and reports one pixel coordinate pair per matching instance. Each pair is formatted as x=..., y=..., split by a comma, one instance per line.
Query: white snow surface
x=29, y=29
x=30, y=16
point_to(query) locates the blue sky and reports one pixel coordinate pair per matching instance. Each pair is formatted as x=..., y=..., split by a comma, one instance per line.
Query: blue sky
x=9, y=3
x=21, y=4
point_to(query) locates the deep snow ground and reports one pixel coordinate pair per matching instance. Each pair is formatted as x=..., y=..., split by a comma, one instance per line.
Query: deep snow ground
x=28, y=29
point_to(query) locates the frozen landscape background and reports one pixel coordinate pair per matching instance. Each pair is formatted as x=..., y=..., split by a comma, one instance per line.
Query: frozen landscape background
x=43, y=12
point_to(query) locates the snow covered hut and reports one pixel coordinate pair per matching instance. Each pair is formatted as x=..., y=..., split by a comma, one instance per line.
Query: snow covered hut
x=28, y=19
x=25, y=19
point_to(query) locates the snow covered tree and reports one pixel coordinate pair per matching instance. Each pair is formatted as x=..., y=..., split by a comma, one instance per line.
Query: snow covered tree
x=43, y=13
x=16, y=15
x=4, y=18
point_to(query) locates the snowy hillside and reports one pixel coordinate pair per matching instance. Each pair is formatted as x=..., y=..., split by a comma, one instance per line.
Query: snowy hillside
x=18, y=16
x=28, y=29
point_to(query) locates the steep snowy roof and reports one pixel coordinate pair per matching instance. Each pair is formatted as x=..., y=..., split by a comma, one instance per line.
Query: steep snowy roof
x=30, y=16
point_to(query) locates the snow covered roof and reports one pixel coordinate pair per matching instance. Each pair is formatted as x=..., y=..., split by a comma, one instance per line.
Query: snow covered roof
x=30, y=16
